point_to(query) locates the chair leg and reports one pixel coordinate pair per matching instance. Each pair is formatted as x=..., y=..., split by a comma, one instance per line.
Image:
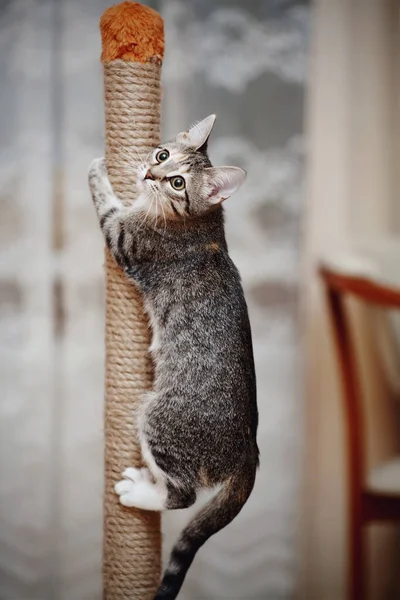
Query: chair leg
x=357, y=567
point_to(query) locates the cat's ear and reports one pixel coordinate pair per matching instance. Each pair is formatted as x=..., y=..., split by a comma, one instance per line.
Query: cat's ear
x=198, y=135
x=223, y=182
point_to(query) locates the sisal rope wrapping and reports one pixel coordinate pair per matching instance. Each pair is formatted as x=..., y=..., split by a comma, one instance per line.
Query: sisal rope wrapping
x=132, y=540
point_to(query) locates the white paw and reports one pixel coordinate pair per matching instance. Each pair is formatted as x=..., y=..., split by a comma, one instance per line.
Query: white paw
x=126, y=492
x=137, y=475
x=123, y=487
x=138, y=490
x=98, y=168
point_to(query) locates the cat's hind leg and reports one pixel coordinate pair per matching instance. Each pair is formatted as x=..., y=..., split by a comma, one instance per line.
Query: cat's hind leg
x=179, y=497
x=150, y=488
x=139, y=489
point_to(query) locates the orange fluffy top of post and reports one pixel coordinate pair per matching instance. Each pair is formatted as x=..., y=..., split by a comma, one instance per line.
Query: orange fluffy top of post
x=132, y=32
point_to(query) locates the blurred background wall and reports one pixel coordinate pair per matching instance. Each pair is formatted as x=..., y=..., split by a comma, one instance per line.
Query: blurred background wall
x=353, y=125
x=245, y=61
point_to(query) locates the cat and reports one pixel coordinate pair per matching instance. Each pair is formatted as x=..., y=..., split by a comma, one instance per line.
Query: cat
x=198, y=425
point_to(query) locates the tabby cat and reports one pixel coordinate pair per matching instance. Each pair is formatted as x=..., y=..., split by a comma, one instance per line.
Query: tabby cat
x=198, y=424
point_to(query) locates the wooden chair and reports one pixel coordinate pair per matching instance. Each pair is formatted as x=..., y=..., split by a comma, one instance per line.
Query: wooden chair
x=376, y=498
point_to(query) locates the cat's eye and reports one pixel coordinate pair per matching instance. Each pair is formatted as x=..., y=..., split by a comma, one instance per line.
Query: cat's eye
x=162, y=156
x=178, y=183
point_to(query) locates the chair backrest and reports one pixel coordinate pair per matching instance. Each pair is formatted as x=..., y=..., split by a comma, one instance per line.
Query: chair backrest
x=338, y=286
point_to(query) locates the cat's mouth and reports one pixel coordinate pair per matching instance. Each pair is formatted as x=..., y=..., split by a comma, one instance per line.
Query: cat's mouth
x=144, y=182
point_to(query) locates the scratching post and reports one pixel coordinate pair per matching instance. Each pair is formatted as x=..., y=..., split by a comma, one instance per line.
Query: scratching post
x=133, y=44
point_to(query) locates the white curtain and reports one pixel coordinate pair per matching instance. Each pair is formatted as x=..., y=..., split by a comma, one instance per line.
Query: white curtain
x=247, y=63
x=352, y=173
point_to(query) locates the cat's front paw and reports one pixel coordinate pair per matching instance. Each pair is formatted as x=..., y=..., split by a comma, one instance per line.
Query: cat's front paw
x=100, y=186
x=97, y=170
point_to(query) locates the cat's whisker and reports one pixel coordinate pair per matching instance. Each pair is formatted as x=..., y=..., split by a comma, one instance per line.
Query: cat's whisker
x=134, y=155
x=156, y=219
x=165, y=218
x=148, y=210
x=163, y=212
x=144, y=218
x=139, y=156
x=130, y=163
x=130, y=157
x=129, y=154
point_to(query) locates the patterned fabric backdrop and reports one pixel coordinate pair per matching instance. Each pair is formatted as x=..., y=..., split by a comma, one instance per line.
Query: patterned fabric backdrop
x=247, y=63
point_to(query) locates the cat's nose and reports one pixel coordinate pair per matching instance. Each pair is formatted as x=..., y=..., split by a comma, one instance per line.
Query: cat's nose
x=149, y=175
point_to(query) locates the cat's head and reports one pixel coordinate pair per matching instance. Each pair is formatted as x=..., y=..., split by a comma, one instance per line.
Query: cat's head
x=178, y=180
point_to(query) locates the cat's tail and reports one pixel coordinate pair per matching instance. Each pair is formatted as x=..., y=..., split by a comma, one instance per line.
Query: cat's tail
x=218, y=513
